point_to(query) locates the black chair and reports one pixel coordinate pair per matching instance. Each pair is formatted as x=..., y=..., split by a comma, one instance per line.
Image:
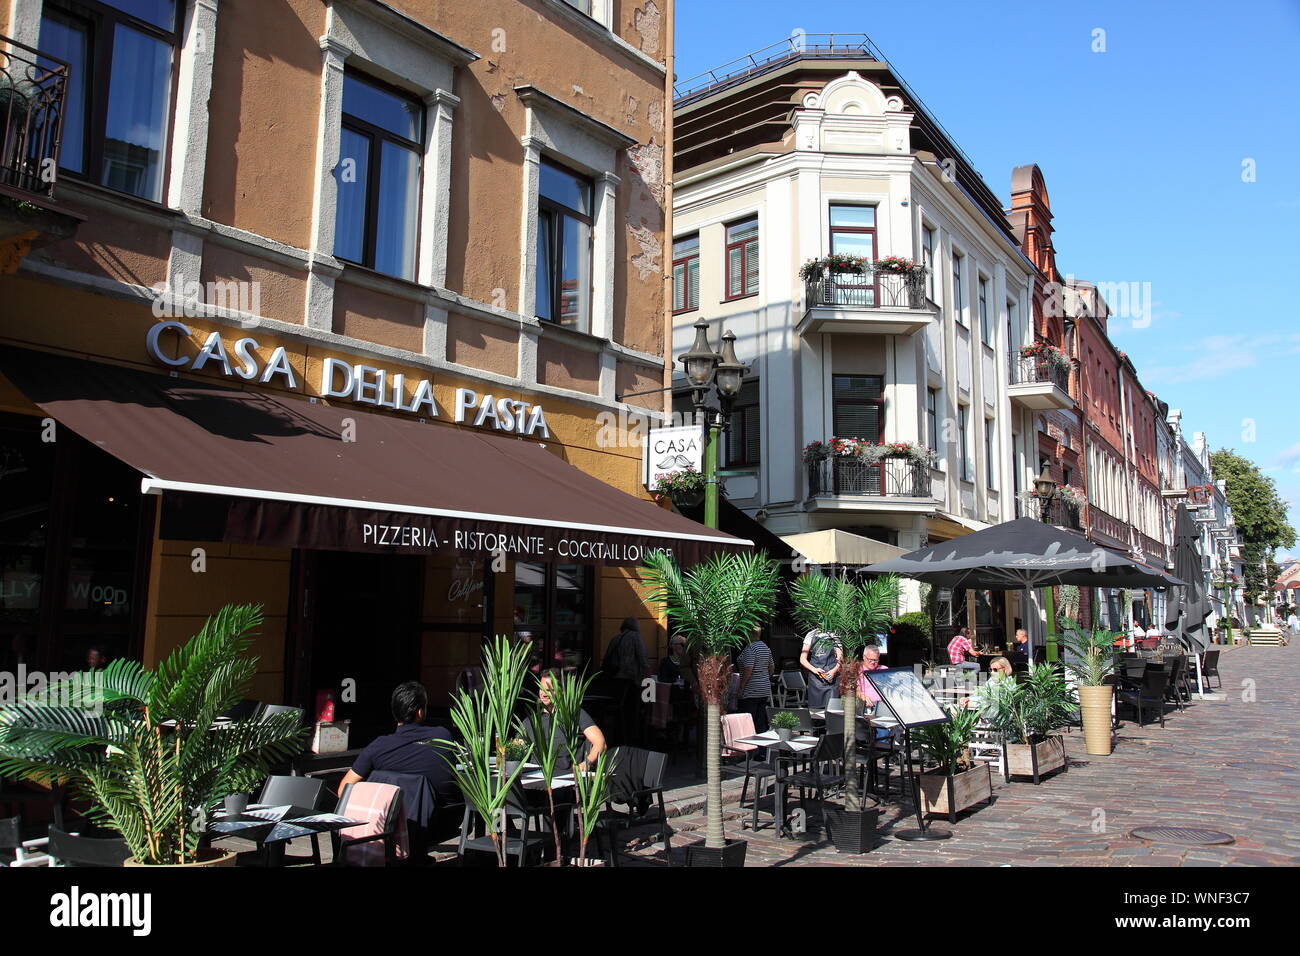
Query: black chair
x=245, y=708
x=12, y=851
x=1176, y=688
x=71, y=849
x=1151, y=693
x=825, y=772
x=637, y=779
x=306, y=792
x=14, y=797
x=1210, y=667
x=520, y=841
x=270, y=710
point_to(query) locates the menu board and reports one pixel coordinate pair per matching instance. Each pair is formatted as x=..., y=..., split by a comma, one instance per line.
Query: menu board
x=904, y=694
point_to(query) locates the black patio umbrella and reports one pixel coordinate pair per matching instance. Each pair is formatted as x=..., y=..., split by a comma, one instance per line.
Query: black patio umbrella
x=1024, y=553
x=1187, y=614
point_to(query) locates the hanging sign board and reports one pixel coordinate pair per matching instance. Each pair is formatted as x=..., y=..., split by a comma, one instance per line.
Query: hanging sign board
x=670, y=450
x=905, y=695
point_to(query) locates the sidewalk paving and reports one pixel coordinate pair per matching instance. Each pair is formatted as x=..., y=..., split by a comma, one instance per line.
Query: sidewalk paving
x=1230, y=765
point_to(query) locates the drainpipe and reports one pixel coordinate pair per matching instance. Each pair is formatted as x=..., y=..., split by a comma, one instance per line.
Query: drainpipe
x=669, y=61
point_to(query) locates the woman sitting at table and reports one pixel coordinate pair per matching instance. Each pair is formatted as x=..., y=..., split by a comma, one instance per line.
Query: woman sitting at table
x=821, y=658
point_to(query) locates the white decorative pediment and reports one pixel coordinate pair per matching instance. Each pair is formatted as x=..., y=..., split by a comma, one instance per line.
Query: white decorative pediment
x=851, y=95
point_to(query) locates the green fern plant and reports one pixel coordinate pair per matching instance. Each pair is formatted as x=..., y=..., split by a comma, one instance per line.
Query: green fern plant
x=141, y=746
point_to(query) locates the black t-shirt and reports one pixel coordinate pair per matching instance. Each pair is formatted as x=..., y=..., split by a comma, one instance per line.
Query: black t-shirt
x=404, y=752
x=540, y=740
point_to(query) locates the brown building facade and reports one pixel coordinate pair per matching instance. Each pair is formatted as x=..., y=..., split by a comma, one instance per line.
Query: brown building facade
x=446, y=214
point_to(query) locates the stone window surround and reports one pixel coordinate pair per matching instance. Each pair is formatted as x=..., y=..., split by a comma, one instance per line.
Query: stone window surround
x=187, y=150
x=600, y=24
x=393, y=48
x=555, y=130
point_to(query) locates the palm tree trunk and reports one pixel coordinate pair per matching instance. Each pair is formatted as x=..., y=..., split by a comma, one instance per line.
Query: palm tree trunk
x=852, y=801
x=714, y=838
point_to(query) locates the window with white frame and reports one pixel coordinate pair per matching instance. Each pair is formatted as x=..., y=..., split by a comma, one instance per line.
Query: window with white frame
x=927, y=259
x=963, y=440
x=959, y=287
x=932, y=417
x=990, y=460
x=986, y=320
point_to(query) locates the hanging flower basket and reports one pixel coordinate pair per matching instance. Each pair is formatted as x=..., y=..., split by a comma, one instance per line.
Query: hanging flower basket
x=838, y=264
x=685, y=487
x=1048, y=353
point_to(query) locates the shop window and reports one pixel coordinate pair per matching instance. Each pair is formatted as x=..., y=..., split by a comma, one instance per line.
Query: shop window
x=553, y=611
x=378, y=177
x=71, y=558
x=121, y=57
x=564, y=227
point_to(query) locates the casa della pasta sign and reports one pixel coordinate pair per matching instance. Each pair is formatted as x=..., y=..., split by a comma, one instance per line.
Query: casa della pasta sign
x=340, y=379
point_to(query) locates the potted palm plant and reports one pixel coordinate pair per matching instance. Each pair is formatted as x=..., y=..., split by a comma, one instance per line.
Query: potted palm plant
x=486, y=723
x=1026, y=714
x=955, y=782
x=715, y=605
x=785, y=724
x=854, y=613
x=561, y=734
x=1093, y=660
x=144, y=747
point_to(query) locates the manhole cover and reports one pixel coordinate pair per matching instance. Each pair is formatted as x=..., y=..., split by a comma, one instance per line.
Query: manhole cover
x=1187, y=836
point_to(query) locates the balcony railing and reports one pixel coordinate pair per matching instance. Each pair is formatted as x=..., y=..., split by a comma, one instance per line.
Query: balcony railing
x=890, y=477
x=881, y=290
x=33, y=91
x=1039, y=370
x=1056, y=512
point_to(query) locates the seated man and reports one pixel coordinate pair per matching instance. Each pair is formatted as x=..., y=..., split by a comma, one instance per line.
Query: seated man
x=405, y=750
x=593, y=744
x=1020, y=647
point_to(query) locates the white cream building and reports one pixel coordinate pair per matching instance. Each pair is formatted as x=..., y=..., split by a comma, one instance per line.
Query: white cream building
x=855, y=165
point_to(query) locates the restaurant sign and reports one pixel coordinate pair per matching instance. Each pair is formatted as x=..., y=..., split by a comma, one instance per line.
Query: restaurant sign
x=356, y=382
x=272, y=523
x=669, y=450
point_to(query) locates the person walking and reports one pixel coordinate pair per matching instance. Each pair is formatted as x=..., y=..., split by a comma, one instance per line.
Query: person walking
x=625, y=665
x=756, y=666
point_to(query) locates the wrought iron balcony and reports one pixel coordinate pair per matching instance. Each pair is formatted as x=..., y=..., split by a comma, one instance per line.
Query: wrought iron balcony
x=879, y=290
x=1040, y=370
x=1040, y=383
x=889, y=478
x=33, y=92
x=1055, y=511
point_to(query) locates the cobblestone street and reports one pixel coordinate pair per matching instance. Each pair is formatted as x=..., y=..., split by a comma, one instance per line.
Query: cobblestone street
x=1231, y=765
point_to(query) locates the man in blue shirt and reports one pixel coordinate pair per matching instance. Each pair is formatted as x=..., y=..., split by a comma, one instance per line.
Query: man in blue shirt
x=405, y=750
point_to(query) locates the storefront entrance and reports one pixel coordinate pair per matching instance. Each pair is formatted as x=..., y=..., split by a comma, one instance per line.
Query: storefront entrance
x=364, y=620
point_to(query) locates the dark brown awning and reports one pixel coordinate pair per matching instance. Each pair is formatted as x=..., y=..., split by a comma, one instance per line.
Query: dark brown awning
x=250, y=467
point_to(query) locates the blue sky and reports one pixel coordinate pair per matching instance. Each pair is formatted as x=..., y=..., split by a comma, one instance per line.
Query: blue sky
x=1146, y=149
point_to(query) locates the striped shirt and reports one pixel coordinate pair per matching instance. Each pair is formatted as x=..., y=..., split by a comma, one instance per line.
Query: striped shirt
x=958, y=648
x=758, y=656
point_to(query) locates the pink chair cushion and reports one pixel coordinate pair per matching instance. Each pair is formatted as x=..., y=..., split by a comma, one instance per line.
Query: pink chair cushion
x=734, y=727
x=373, y=803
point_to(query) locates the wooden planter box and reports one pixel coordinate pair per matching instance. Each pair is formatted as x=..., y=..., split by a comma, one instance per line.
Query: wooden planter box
x=968, y=788
x=1043, y=757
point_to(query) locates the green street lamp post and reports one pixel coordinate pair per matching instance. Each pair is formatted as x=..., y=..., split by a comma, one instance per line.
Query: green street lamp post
x=724, y=374
x=1045, y=491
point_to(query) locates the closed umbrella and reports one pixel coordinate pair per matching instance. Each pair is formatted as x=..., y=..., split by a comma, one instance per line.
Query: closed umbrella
x=1188, y=612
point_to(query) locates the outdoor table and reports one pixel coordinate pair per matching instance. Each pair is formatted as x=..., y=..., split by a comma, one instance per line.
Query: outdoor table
x=273, y=827
x=793, y=747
